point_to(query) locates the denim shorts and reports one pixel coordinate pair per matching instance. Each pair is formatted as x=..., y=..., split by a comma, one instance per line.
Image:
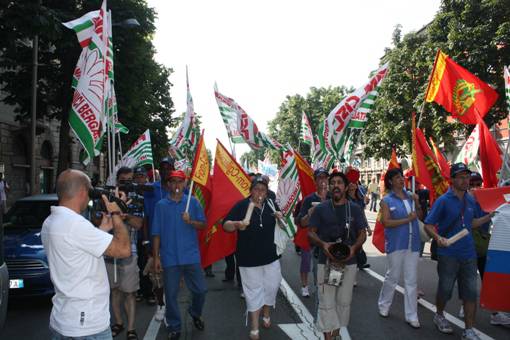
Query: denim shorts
x=451, y=269
x=104, y=335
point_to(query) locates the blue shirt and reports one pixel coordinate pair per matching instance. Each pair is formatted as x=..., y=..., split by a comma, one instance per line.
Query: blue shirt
x=447, y=210
x=397, y=238
x=178, y=240
x=150, y=198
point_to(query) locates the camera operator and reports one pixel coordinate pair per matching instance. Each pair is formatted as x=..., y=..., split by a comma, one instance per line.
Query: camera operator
x=123, y=274
x=75, y=250
x=336, y=220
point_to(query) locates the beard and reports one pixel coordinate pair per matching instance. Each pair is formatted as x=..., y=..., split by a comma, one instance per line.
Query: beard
x=337, y=195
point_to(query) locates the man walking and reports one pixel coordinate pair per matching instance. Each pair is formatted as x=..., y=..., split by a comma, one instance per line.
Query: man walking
x=174, y=233
x=336, y=220
x=75, y=250
x=453, y=212
x=373, y=190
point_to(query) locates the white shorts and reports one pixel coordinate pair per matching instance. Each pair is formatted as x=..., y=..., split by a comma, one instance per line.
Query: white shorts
x=260, y=285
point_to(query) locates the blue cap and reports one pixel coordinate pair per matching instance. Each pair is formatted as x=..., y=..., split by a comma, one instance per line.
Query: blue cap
x=457, y=168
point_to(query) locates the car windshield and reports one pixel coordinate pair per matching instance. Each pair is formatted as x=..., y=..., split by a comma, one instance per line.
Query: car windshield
x=28, y=214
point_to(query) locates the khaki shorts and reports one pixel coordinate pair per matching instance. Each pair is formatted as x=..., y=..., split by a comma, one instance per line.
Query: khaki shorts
x=128, y=280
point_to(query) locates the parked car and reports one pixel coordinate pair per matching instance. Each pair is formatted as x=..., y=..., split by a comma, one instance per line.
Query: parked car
x=25, y=257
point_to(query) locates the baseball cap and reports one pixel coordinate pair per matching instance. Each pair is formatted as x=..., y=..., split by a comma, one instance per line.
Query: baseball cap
x=457, y=168
x=352, y=175
x=258, y=180
x=176, y=174
x=475, y=176
x=139, y=170
x=168, y=160
x=320, y=171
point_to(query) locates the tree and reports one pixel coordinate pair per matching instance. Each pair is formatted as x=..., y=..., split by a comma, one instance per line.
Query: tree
x=476, y=34
x=286, y=127
x=142, y=85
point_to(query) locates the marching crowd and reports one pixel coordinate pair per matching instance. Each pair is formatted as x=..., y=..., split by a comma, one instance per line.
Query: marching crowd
x=118, y=257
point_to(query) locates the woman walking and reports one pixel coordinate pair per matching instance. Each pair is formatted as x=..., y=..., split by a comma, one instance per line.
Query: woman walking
x=402, y=245
x=259, y=264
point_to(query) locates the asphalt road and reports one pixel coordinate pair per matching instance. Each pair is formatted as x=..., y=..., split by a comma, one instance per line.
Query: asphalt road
x=225, y=317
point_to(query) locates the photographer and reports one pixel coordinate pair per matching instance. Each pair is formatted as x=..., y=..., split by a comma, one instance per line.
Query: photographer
x=334, y=221
x=123, y=274
x=75, y=250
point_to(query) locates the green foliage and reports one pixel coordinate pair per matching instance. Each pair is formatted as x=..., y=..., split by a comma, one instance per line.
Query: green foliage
x=476, y=34
x=141, y=84
x=318, y=103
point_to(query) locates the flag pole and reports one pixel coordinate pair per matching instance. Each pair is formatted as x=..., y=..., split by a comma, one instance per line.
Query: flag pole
x=428, y=88
x=189, y=196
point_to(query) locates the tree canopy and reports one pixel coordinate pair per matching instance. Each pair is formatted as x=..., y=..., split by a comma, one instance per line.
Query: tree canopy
x=473, y=33
x=141, y=84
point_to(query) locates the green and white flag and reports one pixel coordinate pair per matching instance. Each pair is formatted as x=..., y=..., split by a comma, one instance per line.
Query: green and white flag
x=84, y=27
x=306, y=131
x=289, y=190
x=185, y=139
x=339, y=118
x=469, y=152
x=140, y=152
x=229, y=111
x=89, y=81
x=244, y=127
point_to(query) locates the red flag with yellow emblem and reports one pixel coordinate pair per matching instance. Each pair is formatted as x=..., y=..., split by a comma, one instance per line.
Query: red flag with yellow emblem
x=229, y=185
x=459, y=91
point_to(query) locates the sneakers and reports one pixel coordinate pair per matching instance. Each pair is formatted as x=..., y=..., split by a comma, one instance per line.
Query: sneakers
x=469, y=334
x=461, y=312
x=500, y=318
x=305, y=292
x=442, y=324
x=160, y=313
x=384, y=313
x=242, y=295
x=174, y=335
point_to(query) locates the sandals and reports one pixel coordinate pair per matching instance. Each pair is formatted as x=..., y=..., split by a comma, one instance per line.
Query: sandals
x=254, y=334
x=131, y=335
x=266, y=322
x=116, y=328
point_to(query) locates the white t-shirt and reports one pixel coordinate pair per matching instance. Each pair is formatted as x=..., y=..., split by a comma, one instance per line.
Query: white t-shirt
x=81, y=305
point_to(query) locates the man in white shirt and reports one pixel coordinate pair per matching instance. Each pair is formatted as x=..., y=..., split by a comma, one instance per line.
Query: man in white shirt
x=75, y=250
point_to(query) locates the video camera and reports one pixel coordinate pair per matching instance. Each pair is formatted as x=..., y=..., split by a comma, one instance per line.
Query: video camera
x=133, y=191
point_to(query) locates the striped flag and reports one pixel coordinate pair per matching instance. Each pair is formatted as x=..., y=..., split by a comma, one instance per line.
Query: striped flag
x=86, y=116
x=84, y=27
x=339, y=118
x=229, y=111
x=244, y=126
x=289, y=190
x=185, y=138
x=140, y=153
x=306, y=131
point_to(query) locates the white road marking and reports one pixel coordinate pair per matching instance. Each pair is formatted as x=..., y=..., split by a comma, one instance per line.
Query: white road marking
x=457, y=322
x=306, y=329
x=153, y=329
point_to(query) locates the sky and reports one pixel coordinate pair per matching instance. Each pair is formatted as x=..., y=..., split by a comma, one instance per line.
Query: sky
x=260, y=52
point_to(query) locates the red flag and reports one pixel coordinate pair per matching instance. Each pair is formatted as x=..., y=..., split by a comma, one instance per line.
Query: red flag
x=490, y=156
x=200, y=175
x=441, y=160
x=490, y=199
x=424, y=165
x=378, y=239
x=459, y=91
x=305, y=173
x=229, y=185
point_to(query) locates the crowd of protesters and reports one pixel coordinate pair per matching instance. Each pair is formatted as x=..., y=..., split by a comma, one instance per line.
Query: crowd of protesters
x=125, y=257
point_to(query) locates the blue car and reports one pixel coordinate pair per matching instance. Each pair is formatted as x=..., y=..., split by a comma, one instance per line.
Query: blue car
x=25, y=257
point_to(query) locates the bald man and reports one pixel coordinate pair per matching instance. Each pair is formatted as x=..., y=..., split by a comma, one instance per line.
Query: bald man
x=75, y=250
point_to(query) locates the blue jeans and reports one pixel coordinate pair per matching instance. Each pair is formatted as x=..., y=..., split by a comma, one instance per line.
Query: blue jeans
x=451, y=269
x=104, y=335
x=195, y=281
